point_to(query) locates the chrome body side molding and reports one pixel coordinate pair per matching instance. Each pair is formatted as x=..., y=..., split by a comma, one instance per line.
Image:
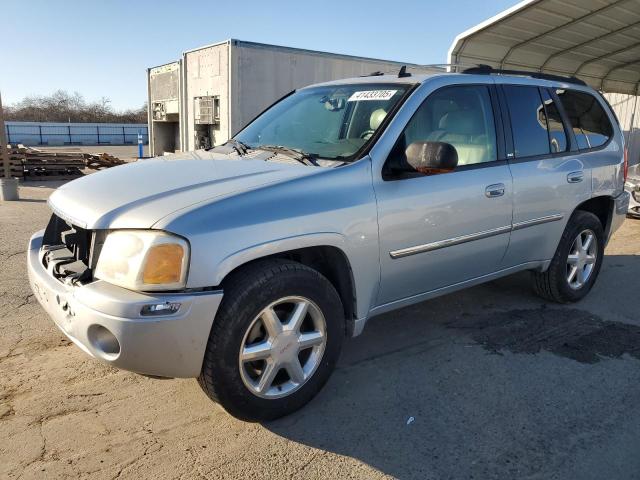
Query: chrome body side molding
x=537, y=221
x=428, y=247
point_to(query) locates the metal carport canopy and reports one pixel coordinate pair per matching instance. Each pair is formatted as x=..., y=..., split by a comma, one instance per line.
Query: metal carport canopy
x=595, y=40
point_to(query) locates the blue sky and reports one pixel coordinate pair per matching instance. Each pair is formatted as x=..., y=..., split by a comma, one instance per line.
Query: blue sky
x=102, y=48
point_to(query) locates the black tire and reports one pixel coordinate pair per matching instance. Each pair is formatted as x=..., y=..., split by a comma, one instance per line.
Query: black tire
x=246, y=293
x=553, y=284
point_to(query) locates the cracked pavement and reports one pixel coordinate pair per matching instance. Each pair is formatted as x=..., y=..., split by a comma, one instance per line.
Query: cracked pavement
x=500, y=385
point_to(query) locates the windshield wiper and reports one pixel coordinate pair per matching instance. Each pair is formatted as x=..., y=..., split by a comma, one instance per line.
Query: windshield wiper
x=294, y=153
x=238, y=146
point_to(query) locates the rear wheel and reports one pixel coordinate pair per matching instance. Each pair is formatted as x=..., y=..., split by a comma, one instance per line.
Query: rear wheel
x=275, y=340
x=576, y=263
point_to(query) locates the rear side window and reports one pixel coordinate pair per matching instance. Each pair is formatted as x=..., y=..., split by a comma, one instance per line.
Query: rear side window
x=588, y=119
x=557, y=135
x=528, y=121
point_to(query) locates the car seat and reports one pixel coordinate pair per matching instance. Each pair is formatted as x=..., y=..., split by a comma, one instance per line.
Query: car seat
x=464, y=129
x=375, y=120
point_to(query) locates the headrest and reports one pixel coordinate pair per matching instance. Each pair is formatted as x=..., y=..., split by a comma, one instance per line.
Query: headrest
x=376, y=118
x=461, y=122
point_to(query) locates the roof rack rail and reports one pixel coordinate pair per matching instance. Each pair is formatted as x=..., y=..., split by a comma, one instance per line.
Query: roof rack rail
x=402, y=73
x=377, y=73
x=489, y=70
x=452, y=66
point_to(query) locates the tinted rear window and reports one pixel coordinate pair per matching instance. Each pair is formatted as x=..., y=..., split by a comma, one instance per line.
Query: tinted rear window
x=528, y=121
x=588, y=119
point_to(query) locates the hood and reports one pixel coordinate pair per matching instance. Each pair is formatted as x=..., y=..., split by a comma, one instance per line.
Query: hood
x=139, y=194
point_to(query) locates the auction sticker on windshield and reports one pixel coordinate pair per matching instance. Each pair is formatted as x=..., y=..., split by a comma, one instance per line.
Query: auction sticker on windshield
x=372, y=95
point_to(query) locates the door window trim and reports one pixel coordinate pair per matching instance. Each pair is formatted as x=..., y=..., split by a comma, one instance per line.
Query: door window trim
x=499, y=128
x=568, y=134
x=511, y=154
x=571, y=138
x=366, y=148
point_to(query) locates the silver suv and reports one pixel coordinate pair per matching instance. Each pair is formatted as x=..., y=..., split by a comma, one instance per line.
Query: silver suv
x=247, y=265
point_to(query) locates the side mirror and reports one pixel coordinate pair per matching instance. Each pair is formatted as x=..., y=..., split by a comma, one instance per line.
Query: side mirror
x=430, y=158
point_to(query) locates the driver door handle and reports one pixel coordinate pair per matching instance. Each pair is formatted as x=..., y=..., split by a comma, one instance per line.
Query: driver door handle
x=495, y=190
x=575, y=177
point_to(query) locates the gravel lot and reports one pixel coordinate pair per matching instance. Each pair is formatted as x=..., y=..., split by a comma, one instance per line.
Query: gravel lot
x=487, y=383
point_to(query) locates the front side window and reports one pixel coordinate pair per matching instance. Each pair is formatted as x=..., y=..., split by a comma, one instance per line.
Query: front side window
x=461, y=116
x=528, y=121
x=588, y=119
x=332, y=122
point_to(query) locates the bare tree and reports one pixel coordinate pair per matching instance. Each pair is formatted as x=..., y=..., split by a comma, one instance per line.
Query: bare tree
x=62, y=106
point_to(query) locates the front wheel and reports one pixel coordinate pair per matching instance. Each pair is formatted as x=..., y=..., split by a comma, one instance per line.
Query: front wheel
x=275, y=340
x=576, y=263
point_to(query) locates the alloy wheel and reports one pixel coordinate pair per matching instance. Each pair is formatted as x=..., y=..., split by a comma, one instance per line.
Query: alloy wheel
x=282, y=347
x=582, y=259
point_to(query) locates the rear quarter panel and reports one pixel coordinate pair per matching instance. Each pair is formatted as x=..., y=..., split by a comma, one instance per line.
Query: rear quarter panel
x=607, y=163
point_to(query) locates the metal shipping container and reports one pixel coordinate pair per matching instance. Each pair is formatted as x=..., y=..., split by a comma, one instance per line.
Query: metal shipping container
x=164, y=86
x=225, y=85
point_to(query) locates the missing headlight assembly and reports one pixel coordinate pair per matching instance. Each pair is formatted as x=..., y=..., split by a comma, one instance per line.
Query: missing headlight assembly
x=69, y=252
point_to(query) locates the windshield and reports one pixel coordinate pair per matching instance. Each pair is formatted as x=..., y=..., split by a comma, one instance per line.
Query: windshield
x=332, y=122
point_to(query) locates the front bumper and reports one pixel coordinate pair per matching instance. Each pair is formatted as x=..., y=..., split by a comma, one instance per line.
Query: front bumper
x=167, y=346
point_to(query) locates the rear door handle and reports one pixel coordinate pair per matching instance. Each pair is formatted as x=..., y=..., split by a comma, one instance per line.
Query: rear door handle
x=495, y=190
x=575, y=177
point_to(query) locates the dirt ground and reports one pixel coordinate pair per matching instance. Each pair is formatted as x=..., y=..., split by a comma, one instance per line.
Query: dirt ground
x=491, y=382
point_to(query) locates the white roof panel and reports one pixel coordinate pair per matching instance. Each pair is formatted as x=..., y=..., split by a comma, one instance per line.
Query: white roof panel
x=595, y=40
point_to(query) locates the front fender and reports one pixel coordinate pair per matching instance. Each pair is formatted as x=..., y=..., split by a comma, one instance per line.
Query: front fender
x=333, y=208
x=364, y=272
x=254, y=252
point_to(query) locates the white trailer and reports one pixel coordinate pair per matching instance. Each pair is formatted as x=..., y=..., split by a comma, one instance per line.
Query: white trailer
x=164, y=86
x=223, y=86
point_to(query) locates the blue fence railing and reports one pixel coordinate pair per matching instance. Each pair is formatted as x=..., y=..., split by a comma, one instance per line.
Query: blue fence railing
x=33, y=133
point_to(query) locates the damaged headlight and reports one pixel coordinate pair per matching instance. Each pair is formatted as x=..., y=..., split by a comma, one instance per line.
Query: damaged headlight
x=144, y=260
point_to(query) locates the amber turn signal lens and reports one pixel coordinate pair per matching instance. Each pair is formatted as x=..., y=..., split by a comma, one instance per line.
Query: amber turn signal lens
x=163, y=265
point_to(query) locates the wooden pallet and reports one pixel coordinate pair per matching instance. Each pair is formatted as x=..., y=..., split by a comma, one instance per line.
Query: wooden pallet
x=32, y=162
x=50, y=178
x=45, y=159
x=45, y=169
x=104, y=160
x=15, y=168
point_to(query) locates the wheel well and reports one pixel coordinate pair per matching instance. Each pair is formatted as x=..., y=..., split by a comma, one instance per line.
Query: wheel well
x=601, y=207
x=334, y=265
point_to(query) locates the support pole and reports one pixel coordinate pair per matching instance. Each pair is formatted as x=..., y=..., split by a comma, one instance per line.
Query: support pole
x=631, y=135
x=140, y=146
x=8, y=185
x=633, y=120
x=4, y=154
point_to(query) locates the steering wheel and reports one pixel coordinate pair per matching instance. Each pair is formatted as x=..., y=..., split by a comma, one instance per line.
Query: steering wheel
x=367, y=134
